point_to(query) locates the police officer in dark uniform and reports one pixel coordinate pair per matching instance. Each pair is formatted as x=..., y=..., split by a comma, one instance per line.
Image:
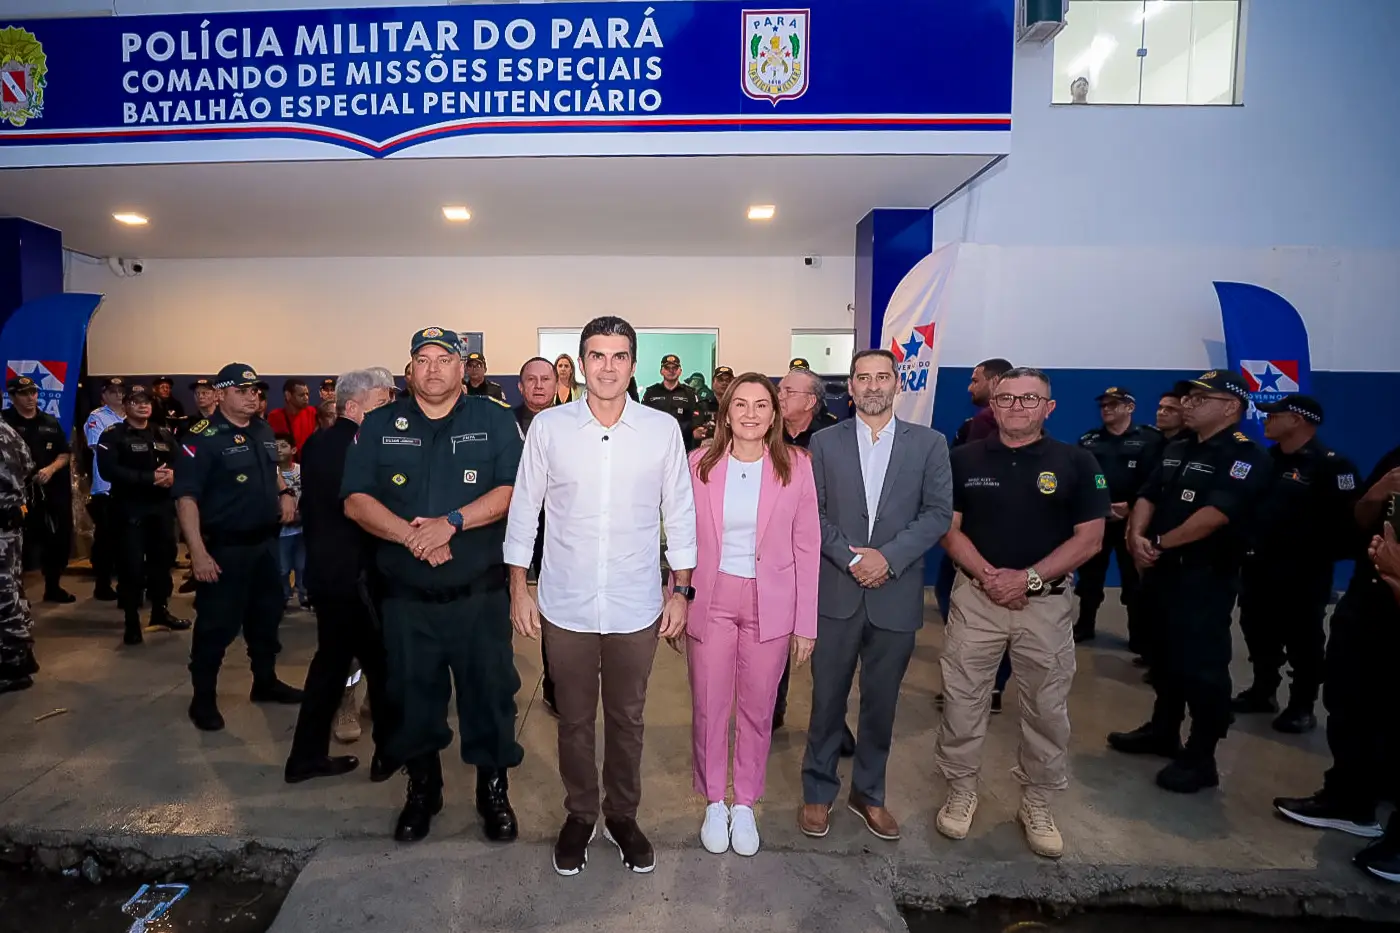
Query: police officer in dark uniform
x=169, y=411
x=1305, y=526
x=232, y=502
x=1188, y=534
x=675, y=398
x=1127, y=453
x=206, y=402
x=708, y=407
x=136, y=456
x=48, y=527
x=431, y=475
x=477, y=383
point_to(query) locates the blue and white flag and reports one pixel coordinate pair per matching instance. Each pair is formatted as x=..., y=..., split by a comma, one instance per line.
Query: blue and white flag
x=911, y=332
x=1267, y=343
x=44, y=340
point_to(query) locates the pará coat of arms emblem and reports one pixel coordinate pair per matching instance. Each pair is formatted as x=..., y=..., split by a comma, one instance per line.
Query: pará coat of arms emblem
x=776, y=53
x=23, y=76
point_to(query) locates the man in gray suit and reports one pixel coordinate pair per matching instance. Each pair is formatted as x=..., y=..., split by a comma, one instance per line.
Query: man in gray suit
x=885, y=496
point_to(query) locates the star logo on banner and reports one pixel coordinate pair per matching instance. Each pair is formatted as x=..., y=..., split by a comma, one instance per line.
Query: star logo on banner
x=912, y=347
x=1268, y=379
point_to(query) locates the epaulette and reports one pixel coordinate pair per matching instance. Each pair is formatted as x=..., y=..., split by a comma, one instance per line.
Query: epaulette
x=199, y=426
x=1243, y=438
x=491, y=398
x=1088, y=435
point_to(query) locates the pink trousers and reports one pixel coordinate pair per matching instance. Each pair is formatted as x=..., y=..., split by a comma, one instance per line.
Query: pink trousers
x=731, y=660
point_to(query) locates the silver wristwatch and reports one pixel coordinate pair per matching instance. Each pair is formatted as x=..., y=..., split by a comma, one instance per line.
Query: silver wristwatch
x=1034, y=584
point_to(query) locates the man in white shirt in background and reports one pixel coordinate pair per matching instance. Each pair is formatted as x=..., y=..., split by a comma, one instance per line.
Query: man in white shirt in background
x=607, y=472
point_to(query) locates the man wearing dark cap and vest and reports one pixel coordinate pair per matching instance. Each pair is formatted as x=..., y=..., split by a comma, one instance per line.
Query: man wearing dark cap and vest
x=48, y=529
x=1188, y=532
x=232, y=502
x=136, y=456
x=1126, y=453
x=1305, y=526
x=327, y=391
x=168, y=411
x=675, y=398
x=477, y=383
x=431, y=475
x=206, y=400
x=99, y=500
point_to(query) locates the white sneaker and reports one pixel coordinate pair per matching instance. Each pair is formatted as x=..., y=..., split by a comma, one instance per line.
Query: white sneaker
x=743, y=831
x=347, y=719
x=714, y=834
x=1041, y=834
x=955, y=816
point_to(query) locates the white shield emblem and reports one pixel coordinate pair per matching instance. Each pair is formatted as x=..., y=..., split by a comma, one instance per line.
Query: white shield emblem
x=469, y=476
x=776, y=53
x=1240, y=470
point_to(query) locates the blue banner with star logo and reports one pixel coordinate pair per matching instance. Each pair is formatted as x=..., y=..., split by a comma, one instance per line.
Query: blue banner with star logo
x=44, y=340
x=1267, y=343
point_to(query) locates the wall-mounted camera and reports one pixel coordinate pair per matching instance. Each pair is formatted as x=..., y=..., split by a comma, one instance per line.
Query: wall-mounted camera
x=125, y=268
x=812, y=262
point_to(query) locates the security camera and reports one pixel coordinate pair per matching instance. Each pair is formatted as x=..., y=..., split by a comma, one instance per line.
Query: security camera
x=125, y=268
x=135, y=267
x=812, y=262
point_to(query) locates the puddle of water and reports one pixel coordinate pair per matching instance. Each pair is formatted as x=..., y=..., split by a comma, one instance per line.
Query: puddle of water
x=41, y=904
x=1025, y=917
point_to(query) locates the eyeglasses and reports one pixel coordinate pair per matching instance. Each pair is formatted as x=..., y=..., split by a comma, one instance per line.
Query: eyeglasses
x=786, y=393
x=1029, y=401
x=1191, y=401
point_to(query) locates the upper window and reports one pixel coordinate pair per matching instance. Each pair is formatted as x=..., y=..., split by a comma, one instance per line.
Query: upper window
x=1148, y=52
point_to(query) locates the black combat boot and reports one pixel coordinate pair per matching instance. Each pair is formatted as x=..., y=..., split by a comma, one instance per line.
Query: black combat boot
x=133, y=628
x=424, y=799
x=204, y=710
x=493, y=803
x=162, y=619
x=1146, y=740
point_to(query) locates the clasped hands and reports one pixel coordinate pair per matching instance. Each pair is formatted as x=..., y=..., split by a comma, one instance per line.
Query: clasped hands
x=872, y=570
x=1006, y=588
x=428, y=538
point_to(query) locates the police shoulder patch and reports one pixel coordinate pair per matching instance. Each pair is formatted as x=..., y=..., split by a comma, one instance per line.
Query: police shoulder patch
x=1243, y=438
x=496, y=400
x=1346, y=481
x=200, y=425
x=211, y=432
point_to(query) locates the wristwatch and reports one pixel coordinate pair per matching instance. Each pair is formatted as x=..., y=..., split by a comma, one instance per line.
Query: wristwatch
x=287, y=491
x=454, y=518
x=687, y=591
x=1033, y=582
x=1157, y=542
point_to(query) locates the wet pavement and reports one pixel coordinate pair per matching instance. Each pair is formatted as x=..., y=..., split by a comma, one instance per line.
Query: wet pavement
x=39, y=904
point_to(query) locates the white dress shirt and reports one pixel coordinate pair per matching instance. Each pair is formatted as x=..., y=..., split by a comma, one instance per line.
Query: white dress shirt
x=739, y=548
x=604, y=492
x=874, y=464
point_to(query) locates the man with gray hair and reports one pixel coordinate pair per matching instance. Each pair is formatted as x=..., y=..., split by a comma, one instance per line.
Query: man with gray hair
x=337, y=561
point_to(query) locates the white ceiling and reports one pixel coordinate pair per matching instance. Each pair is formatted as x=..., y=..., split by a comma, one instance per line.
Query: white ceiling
x=551, y=206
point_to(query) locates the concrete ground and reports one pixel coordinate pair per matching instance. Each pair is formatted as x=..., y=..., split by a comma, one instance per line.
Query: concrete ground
x=124, y=775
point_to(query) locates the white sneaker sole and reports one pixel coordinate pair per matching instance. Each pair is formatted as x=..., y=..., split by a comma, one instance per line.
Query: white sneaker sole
x=569, y=873
x=1391, y=876
x=715, y=850
x=1371, y=831
x=623, y=855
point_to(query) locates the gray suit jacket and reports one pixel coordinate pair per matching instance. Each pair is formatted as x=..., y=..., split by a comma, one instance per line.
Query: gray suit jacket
x=915, y=511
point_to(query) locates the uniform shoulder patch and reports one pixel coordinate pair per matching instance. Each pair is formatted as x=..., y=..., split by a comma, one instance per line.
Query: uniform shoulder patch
x=1243, y=438
x=200, y=425
x=492, y=398
x=211, y=432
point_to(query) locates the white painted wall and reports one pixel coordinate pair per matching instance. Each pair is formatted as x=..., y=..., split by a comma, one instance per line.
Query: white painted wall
x=1095, y=243
x=329, y=315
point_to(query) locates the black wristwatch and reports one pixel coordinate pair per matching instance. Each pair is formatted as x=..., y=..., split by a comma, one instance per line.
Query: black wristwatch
x=1157, y=542
x=687, y=591
x=286, y=491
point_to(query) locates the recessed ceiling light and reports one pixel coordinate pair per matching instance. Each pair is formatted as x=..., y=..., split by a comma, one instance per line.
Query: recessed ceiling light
x=762, y=212
x=134, y=220
x=458, y=214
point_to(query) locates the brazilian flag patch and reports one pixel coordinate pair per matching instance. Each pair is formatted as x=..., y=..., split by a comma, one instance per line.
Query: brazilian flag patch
x=1100, y=482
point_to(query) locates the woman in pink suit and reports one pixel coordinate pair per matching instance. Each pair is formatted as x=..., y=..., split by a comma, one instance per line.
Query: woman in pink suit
x=755, y=595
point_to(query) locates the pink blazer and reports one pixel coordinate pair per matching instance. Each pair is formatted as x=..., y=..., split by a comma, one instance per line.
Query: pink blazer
x=789, y=548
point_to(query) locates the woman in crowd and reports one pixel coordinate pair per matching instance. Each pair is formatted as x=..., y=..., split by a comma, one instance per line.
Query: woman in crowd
x=569, y=389
x=755, y=594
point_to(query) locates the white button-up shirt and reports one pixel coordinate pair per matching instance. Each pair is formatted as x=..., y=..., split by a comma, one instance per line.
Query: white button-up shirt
x=604, y=492
x=874, y=464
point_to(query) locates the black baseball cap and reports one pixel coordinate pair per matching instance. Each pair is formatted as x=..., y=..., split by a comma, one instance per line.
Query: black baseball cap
x=1117, y=393
x=165, y=379
x=328, y=383
x=723, y=371
x=670, y=359
x=21, y=384
x=201, y=384
x=136, y=394
x=474, y=357
x=798, y=362
x=236, y=374
x=1222, y=380
x=1305, y=405
x=112, y=382
x=436, y=337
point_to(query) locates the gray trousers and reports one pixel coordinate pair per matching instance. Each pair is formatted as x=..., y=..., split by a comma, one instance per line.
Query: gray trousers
x=883, y=656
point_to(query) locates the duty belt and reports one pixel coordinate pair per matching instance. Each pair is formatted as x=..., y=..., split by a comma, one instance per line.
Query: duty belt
x=241, y=537
x=492, y=581
x=1051, y=588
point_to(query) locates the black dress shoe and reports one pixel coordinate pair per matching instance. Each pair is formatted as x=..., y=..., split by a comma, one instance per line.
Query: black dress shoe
x=1254, y=701
x=382, y=767
x=132, y=635
x=1295, y=721
x=1145, y=740
x=274, y=691
x=423, y=801
x=59, y=595
x=299, y=771
x=1189, y=774
x=19, y=683
x=493, y=803
x=162, y=619
x=204, y=713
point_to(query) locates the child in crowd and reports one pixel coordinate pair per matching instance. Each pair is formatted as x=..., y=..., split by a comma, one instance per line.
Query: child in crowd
x=291, y=545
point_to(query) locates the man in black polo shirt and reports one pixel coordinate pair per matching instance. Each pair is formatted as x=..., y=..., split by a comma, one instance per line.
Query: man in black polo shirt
x=1127, y=454
x=1188, y=534
x=432, y=475
x=1027, y=511
x=675, y=398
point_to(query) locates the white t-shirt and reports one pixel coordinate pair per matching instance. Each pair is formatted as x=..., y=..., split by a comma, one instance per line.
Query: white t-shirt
x=740, y=546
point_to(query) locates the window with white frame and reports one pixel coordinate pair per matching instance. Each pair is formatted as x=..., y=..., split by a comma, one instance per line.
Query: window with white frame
x=1148, y=52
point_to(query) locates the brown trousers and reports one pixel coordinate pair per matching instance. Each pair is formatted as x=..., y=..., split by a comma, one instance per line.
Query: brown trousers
x=1041, y=640
x=579, y=664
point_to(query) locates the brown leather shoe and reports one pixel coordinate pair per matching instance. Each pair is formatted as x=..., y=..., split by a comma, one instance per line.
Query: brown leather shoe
x=814, y=819
x=877, y=819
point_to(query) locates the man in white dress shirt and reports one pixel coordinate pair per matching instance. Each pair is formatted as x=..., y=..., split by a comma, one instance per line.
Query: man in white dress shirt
x=607, y=470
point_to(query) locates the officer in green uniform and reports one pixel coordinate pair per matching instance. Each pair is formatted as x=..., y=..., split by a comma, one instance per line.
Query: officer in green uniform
x=477, y=383
x=431, y=475
x=231, y=502
x=1188, y=532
